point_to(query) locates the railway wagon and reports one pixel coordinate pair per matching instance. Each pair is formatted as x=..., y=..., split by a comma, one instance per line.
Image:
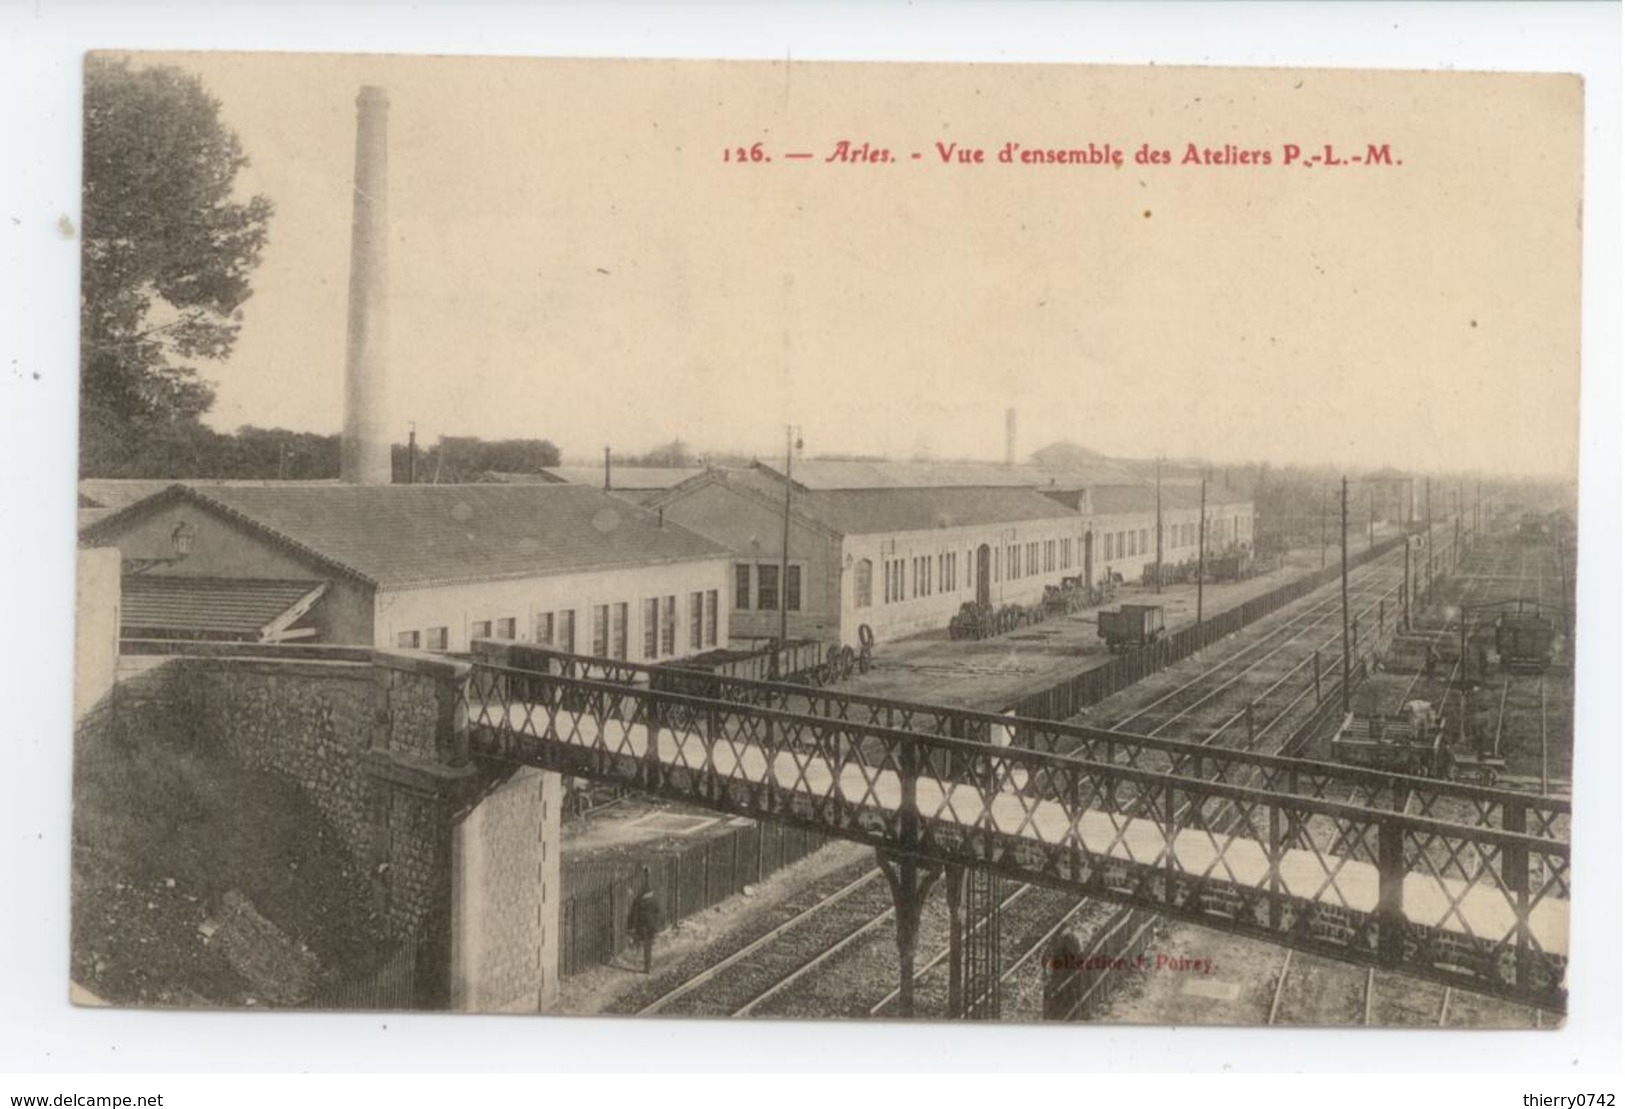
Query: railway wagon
x=1410, y=741
x=1534, y=528
x=1524, y=641
x=1130, y=626
x=1230, y=566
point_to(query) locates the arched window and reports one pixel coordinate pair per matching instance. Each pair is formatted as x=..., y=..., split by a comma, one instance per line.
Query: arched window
x=863, y=573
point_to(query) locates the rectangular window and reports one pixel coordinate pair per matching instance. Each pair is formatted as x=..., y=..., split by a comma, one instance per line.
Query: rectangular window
x=767, y=586
x=480, y=629
x=668, y=626
x=544, y=628
x=507, y=628
x=792, y=589
x=741, y=585
x=1145, y=540
x=651, y=628
x=406, y=639
x=435, y=639
x=862, y=583
x=711, y=618
x=600, y=631
x=567, y=631
x=696, y=620
x=618, y=630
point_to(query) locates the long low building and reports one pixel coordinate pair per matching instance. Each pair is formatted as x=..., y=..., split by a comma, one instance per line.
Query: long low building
x=1124, y=521
x=899, y=559
x=427, y=567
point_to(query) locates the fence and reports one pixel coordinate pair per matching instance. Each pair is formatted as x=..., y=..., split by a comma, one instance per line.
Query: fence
x=598, y=892
x=391, y=987
x=1072, y=695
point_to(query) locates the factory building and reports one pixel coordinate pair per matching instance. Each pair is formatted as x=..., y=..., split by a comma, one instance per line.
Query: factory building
x=1391, y=496
x=1124, y=521
x=899, y=559
x=428, y=567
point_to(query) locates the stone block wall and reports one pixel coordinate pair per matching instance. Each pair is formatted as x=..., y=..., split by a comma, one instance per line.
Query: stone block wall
x=506, y=889
x=463, y=863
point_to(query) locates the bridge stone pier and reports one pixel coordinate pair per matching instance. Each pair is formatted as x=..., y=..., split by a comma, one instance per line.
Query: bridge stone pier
x=462, y=854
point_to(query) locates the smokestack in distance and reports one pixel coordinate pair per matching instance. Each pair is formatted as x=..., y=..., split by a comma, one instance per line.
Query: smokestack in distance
x=1009, y=436
x=365, y=455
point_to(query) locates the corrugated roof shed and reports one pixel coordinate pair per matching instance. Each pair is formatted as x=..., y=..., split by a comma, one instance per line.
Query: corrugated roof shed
x=413, y=535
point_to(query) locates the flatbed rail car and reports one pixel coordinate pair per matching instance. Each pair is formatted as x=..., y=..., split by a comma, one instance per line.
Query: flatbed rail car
x=1130, y=626
x=1411, y=742
x=1408, y=742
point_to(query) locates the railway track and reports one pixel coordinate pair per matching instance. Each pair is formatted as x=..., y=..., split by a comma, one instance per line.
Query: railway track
x=779, y=973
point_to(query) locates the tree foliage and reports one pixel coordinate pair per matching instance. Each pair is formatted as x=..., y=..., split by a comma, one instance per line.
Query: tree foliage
x=168, y=249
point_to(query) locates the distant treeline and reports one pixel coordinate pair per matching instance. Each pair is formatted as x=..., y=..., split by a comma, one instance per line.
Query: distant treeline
x=187, y=449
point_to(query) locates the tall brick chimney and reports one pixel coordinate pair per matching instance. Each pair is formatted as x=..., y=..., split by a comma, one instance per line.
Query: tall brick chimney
x=1009, y=436
x=364, y=456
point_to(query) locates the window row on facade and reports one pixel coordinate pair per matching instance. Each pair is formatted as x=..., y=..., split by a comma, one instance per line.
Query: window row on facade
x=608, y=628
x=756, y=586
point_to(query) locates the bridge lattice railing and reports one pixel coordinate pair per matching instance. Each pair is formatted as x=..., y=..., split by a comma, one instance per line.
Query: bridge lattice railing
x=1460, y=803
x=1482, y=908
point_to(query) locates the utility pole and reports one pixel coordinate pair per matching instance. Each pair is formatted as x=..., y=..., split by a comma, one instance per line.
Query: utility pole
x=412, y=454
x=1455, y=544
x=1345, y=500
x=1405, y=591
x=1371, y=526
x=1428, y=491
x=606, y=470
x=1158, y=580
x=1323, y=527
x=784, y=552
x=1201, y=558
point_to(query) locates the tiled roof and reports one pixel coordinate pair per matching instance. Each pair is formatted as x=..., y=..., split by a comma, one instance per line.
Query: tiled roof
x=246, y=607
x=623, y=477
x=873, y=511
x=410, y=535
x=822, y=475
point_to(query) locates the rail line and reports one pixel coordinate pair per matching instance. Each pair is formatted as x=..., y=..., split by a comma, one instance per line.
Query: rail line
x=855, y=931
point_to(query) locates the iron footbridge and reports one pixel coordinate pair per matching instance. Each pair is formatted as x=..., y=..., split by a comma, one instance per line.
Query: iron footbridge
x=1459, y=884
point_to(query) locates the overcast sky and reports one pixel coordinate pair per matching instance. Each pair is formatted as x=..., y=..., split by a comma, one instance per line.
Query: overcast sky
x=572, y=259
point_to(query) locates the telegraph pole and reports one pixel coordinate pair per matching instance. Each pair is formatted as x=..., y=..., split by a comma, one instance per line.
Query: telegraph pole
x=1323, y=527
x=1201, y=557
x=1371, y=525
x=784, y=551
x=1345, y=501
x=1405, y=592
x=1158, y=580
x=1428, y=491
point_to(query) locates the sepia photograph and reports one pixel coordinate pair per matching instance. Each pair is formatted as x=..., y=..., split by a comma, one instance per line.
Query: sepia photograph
x=866, y=541
x=827, y=540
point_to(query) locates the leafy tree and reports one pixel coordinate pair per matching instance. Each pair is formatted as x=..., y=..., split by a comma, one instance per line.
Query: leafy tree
x=167, y=254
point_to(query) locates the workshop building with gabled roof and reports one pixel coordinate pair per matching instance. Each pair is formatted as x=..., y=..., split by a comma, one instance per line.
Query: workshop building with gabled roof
x=417, y=566
x=900, y=559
